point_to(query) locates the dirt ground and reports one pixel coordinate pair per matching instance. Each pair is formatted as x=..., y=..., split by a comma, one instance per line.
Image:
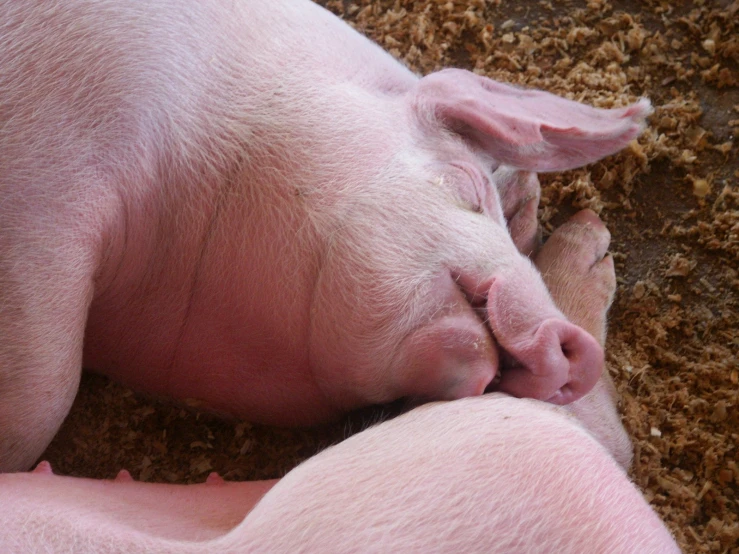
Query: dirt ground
x=671, y=202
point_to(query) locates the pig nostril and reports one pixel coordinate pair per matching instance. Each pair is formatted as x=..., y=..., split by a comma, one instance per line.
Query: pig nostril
x=571, y=350
x=492, y=386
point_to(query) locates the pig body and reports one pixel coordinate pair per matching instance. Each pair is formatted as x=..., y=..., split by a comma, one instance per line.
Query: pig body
x=486, y=474
x=251, y=205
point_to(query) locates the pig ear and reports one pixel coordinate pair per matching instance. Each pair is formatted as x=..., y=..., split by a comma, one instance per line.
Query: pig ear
x=527, y=129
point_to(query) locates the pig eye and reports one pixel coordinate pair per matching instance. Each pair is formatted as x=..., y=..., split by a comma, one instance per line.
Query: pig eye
x=477, y=208
x=469, y=199
x=469, y=187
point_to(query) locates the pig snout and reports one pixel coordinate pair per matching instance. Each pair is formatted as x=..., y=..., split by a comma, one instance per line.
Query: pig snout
x=543, y=355
x=559, y=363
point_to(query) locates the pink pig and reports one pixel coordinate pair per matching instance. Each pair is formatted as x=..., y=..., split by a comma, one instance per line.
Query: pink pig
x=487, y=474
x=249, y=204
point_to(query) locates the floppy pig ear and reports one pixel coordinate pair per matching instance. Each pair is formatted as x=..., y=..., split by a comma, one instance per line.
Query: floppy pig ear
x=527, y=129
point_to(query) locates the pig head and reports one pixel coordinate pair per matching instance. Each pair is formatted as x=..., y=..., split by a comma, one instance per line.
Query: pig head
x=440, y=293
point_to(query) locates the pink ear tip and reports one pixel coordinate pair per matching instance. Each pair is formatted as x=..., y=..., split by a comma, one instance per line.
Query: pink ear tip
x=640, y=111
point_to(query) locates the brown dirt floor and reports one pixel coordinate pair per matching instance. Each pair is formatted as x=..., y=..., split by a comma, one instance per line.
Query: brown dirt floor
x=671, y=201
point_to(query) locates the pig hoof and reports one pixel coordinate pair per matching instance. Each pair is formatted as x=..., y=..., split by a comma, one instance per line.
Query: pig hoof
x=43, y=468
x=123, y=476
x=214, y=479
x=579, y=272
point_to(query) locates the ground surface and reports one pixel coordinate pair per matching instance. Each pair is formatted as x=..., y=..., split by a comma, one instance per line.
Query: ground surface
x=671, y=202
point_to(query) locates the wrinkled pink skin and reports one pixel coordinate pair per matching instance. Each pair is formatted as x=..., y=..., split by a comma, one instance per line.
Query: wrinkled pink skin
x=250, y=204
x=486, y=474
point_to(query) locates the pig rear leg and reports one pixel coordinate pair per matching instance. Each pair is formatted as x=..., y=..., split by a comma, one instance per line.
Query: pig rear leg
x=482, y=474
x=580, y=276
x=46, y=280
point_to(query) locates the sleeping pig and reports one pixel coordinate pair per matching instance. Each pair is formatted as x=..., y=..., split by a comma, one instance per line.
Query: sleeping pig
x=249, y=204
x=486, y=474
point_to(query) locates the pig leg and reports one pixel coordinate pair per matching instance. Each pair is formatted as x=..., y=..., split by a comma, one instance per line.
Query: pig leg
x=482, y=474
x=578, y=271
x=580, y=276
x=46, y=282
x=519, y=195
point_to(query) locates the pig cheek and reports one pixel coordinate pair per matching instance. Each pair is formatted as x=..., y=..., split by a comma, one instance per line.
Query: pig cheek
x=452, y=357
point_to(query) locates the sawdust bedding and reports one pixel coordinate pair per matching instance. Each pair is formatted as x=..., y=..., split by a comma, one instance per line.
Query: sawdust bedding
x=671, y=202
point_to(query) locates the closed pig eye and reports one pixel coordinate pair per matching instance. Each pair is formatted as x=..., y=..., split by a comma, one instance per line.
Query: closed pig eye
x=470, y=186
x=471, y=204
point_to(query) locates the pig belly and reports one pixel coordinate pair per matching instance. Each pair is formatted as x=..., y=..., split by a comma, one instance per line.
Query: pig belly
x=486, y=474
